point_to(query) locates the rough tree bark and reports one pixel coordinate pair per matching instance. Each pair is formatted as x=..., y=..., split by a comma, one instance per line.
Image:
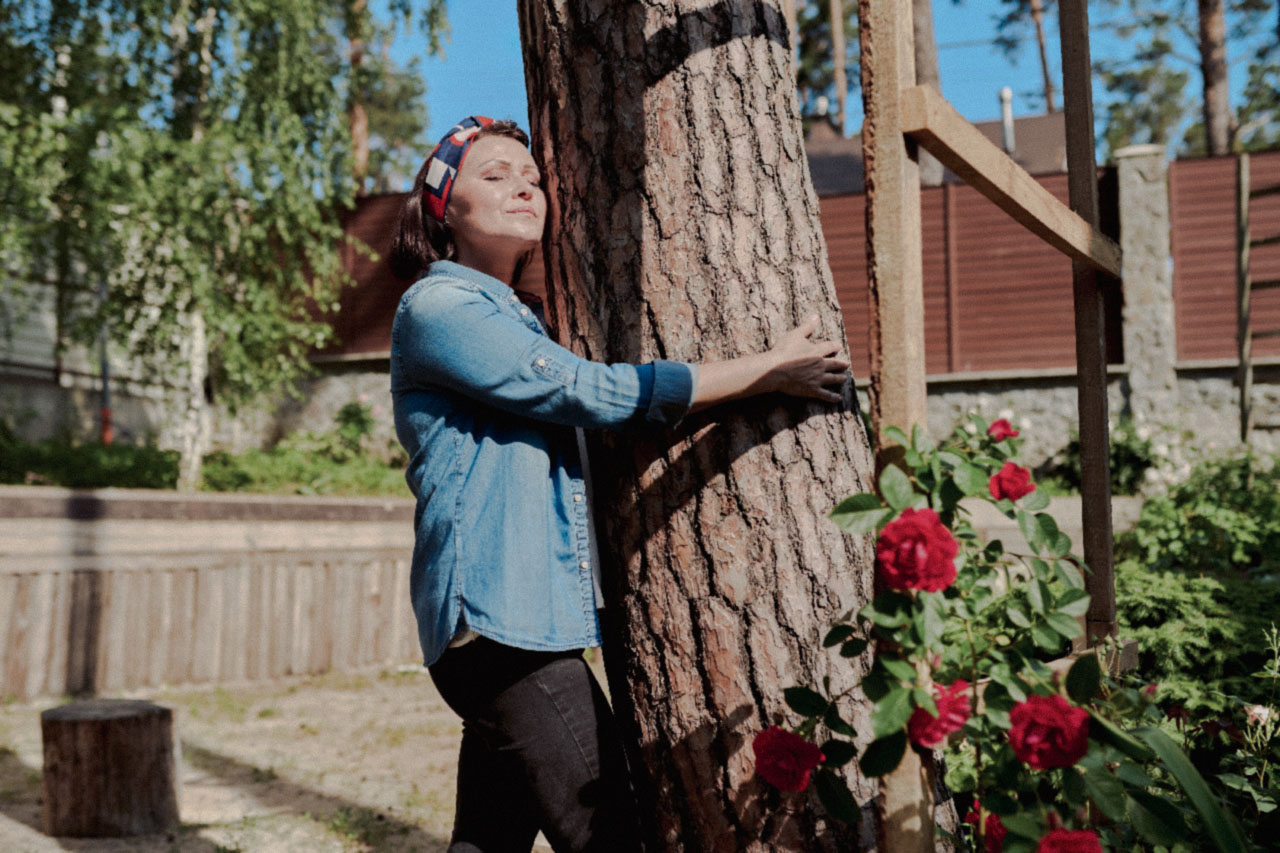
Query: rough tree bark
x=357, y=115
x=685, y=226
x=1213, y=69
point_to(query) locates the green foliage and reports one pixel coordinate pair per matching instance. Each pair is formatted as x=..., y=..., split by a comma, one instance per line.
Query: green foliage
x=994, y=624
x=1196, y=634
x=1132, y=455
x=338, y=462
x=1225, y=518
x=815, y=71
x=197, y=159
x=88, y=465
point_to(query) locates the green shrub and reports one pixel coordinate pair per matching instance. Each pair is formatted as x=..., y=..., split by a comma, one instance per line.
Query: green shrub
x=1199, y=636
x=338, y=462
x=1225, y=518
x=90, y=465
x=1132, y=455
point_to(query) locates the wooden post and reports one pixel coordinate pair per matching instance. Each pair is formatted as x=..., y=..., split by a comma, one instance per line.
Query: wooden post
x=904, y=814
x=1244, y=332
x=1091, y=356
x=108, y=769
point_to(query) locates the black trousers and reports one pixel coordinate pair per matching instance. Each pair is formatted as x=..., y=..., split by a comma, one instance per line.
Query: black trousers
x=540, y=751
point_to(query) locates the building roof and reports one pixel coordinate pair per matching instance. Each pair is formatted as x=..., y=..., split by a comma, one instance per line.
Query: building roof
x=835, y=162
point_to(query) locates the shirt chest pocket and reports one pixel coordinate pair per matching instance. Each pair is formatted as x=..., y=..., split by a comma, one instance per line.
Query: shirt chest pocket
x=553, y=368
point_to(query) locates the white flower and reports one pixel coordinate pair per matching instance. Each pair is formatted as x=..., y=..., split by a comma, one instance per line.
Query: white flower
x=1258, y=714
x=1143, y=432
x=971, y=428
x=1024, y=423
x=1006, y=413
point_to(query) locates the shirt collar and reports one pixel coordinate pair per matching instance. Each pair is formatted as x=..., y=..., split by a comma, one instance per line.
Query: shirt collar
x=486, y=282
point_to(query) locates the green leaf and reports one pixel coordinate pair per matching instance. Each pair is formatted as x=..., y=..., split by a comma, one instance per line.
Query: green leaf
x=921, y=440
x=1133, y=775
x=1047, y=526
x=1064, y=624
x=1069, y=574
x=836, y=799
x=934, y=619
x=883, y=754
x=1030, y=530
x=1059, y=545
x=892, y=712
x=1073, y=602
x=804, y=701
x=924, y=699
x=862, y=513
x=1104, y=731
x=1073, y=786
x=838, y=753
x=1024, y=824
x=1037, y=592
x=1156, y=819
x=1225, y=834
x=1018, y=616
x=1045, y=637
x=899, y=668
x=895, y=487
x=836, y=723
x=1107, y=792
x=971, y=479
x=1084, y=679
x=896, y=435
x=837, y=635
x=1037, y=500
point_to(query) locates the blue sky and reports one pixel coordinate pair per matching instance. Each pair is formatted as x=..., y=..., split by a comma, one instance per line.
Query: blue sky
x=482, y=70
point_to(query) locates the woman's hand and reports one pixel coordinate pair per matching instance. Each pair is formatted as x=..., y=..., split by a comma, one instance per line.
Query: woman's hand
x=806, y=368
x=796, y=366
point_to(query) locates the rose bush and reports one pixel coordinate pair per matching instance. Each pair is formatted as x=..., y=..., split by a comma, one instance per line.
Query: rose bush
x=1022, y=739
x=784, y=759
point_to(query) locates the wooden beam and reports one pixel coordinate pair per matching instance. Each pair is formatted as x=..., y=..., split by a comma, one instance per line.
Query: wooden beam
x=1091, y=350
x=895, y=279
x=944, y=133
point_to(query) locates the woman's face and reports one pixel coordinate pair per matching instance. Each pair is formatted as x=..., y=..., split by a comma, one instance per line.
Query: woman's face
x=497, y=204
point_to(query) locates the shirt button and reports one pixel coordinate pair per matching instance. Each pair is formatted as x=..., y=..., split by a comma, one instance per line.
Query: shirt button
x=524, y=311
x=542, y=362
x=584, y=564
x=514, y=298
x=577, y=499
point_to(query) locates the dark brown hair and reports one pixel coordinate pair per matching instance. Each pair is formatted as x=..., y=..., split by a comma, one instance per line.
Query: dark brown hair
x=420, y=240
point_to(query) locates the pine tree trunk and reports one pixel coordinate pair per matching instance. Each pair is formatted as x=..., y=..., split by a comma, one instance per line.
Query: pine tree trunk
x=684, y=226
x=194, y=426
x=357, y=115
x=1213, y=68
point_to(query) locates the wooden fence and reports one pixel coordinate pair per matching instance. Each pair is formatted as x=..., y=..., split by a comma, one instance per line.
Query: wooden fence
x=116, y=589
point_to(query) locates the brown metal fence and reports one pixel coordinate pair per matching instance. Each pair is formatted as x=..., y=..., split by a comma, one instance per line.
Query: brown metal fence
x=1202, y=209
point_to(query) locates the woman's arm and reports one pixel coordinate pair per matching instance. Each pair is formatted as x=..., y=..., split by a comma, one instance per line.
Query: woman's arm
x=796, y=366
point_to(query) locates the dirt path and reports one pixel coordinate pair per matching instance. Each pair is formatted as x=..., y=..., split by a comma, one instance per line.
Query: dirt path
x=336, y=763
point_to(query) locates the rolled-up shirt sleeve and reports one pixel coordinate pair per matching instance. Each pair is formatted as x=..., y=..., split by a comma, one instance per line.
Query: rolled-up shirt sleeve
x=456, y=338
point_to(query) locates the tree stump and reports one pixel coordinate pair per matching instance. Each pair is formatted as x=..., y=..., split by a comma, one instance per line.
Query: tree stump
x=108, y=768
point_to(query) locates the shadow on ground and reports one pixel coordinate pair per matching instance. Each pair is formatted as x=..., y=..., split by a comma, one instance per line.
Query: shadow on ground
x=343, y=817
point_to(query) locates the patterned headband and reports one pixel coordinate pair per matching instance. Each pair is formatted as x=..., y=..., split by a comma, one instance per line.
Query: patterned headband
x=446, y=160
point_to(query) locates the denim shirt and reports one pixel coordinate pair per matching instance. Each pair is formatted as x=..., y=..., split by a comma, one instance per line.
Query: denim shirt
x=485, y=405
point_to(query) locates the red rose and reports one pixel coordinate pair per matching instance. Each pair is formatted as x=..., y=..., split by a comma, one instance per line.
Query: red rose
x=995, y=831
x=1001, y=429
x=953, y=710
x=1012, y=482
x=916, y=551
x=784, y=759
x=1070, y=841
x=1048, y=731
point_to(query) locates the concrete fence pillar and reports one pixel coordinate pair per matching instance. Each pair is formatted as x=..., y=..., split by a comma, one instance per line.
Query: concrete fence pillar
x=1150, y=336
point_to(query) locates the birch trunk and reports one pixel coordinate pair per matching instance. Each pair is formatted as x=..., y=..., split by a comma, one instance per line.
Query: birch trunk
x=685, y=226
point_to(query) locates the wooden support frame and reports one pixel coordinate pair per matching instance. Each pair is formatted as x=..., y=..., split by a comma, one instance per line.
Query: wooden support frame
x=935, y=125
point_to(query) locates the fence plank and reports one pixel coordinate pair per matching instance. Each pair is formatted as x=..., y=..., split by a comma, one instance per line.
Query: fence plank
x=42, y=590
